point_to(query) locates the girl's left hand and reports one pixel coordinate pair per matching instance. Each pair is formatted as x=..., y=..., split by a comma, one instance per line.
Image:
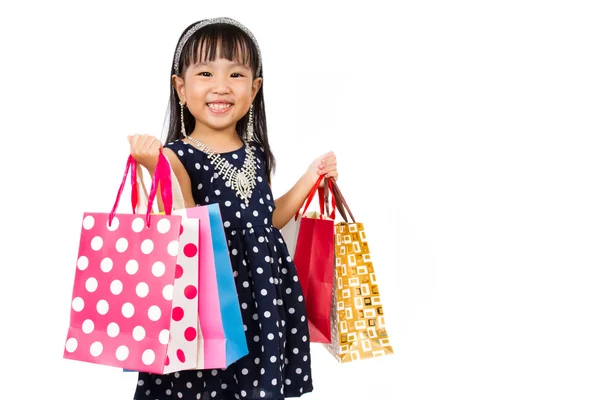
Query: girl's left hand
x=323, y=165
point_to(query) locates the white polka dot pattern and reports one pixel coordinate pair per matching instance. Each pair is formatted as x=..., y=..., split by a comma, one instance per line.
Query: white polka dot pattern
x=268, y=295
x=124, y=290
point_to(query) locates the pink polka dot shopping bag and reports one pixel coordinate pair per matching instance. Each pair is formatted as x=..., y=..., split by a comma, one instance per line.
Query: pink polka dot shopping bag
x=135, y=295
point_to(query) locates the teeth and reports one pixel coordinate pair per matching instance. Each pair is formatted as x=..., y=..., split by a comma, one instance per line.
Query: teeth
x=219, y=106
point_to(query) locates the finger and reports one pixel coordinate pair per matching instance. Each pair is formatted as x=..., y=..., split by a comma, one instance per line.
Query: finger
x=324, y=172
x=329, y=160
x=145, y=142
x=153, y=143
x=148, y=146
x=325, y=156
x=156, y=146
x=332, y=174
x=133, y=141
x=139, y=145
x=328, y=169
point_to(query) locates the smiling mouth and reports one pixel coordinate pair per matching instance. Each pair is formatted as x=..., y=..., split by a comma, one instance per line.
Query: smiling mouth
x=219, y=106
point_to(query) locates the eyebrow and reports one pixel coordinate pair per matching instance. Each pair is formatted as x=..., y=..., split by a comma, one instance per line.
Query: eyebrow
x=236, y=64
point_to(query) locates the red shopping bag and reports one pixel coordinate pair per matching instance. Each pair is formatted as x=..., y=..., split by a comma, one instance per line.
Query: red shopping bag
x=133, y=306
x=315, y=261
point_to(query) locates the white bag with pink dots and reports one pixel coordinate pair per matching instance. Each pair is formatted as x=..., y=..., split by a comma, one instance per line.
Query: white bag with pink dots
x=135, y=290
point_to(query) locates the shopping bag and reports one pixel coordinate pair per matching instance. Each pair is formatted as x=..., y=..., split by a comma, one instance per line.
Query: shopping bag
x=132, y=305
x=357, y=323
x=314, y=260
x=220, y=317
x=290, y=230
x=187, y=268
x=222, y=339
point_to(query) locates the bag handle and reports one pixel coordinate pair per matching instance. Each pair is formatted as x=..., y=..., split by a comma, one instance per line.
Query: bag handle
x=311, y=195
x=337, y=200
x=177, y=195
x=341, y=201
x=161, y=174
x=324, y=199
x=130, y=167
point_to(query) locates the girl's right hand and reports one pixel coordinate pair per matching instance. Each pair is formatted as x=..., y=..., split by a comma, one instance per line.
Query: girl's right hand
x=145, y=150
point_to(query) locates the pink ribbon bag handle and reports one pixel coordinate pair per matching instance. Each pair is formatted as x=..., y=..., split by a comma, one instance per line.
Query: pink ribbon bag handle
x=162, y=175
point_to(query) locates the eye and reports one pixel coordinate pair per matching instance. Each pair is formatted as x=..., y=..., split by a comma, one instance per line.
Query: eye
x=204, y=73
x=237, y=75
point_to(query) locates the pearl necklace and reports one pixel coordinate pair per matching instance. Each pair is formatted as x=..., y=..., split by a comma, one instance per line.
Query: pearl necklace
x=243, y=181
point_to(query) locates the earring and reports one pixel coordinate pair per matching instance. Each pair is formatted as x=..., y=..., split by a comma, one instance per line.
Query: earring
x=182, y=122
x=250, y=126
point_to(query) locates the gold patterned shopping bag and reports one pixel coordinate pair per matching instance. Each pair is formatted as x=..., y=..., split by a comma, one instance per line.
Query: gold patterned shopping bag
x=357, y=320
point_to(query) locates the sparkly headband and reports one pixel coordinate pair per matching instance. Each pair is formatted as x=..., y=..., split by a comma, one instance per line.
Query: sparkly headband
x=212, y=21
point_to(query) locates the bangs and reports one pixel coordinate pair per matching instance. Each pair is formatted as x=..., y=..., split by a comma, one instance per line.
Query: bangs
x=219, y=40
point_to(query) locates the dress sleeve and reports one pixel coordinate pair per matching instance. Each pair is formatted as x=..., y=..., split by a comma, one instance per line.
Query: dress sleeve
x=180, y=148
x=191, y=158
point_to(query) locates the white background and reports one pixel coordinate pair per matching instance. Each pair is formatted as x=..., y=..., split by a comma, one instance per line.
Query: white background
x=467, y=140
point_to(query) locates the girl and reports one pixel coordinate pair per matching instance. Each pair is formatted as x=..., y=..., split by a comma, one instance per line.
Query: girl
x=218, y=148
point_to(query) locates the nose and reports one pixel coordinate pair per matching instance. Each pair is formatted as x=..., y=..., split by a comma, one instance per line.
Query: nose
x=221, y=84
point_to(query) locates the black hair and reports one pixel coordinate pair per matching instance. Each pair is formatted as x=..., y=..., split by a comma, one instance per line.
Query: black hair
x=228, y=41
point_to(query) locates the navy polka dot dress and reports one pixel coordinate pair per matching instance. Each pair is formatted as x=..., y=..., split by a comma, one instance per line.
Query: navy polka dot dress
x=271, y=300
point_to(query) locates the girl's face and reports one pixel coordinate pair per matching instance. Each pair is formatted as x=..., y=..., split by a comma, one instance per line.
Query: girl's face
x=218, y=93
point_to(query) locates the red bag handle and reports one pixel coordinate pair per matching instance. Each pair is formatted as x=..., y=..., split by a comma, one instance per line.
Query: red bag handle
x=312, y=193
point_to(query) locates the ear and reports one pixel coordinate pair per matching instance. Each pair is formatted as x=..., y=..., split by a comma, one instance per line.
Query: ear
x=256, y=84
x=179, y=85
